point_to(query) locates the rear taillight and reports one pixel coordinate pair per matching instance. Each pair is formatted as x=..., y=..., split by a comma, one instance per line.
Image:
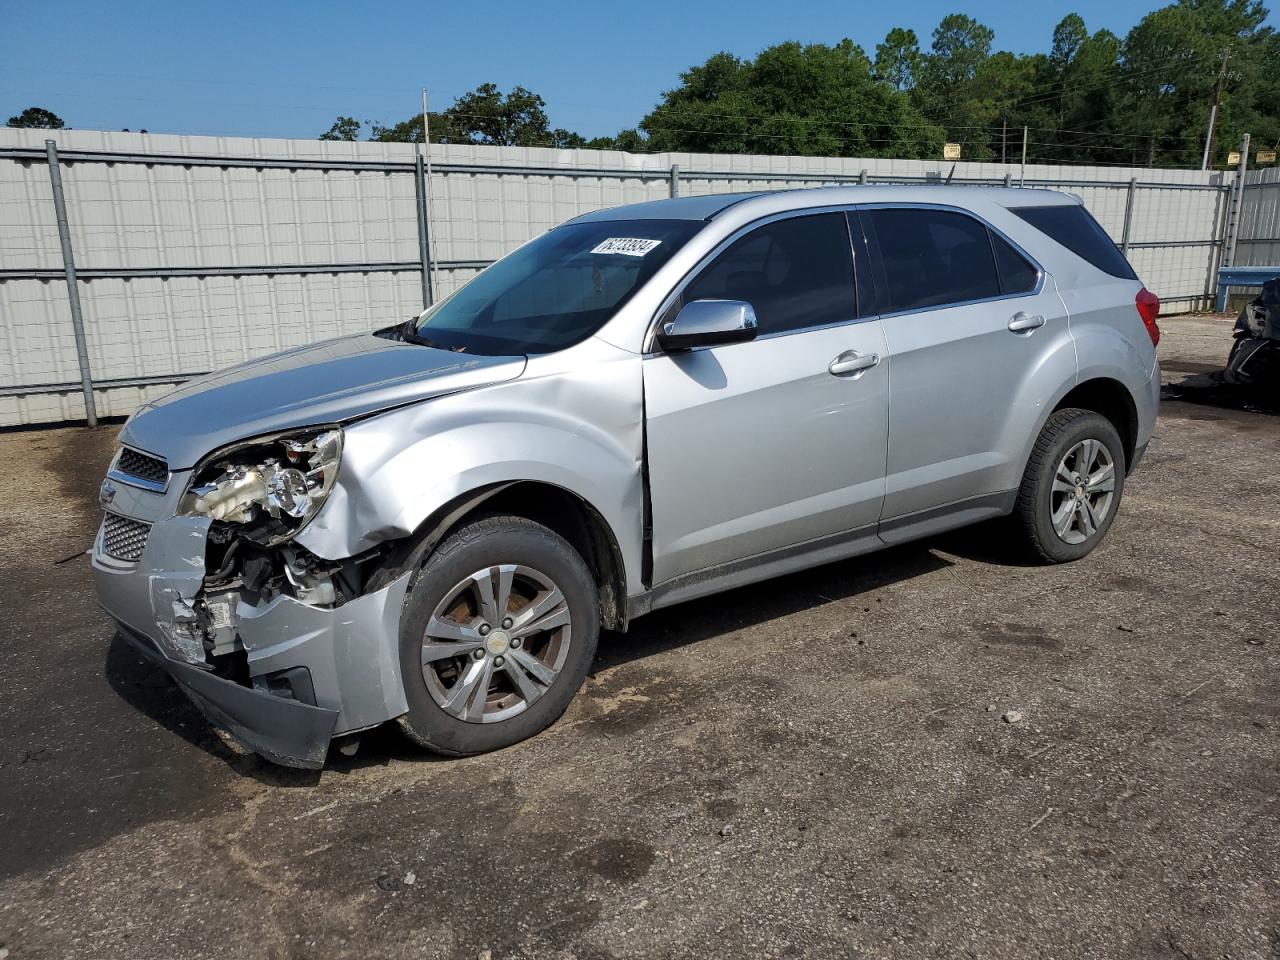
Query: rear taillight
x=1148, y=305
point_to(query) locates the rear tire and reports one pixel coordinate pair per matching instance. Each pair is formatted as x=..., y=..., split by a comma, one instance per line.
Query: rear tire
x=496, y=636
x=1071, y=488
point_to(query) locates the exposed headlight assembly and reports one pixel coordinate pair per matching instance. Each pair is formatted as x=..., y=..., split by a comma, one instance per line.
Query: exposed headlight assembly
x=273, y=485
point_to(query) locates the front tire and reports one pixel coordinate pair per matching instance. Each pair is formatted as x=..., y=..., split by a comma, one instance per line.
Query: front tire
x=1072, y=486
x=496, y=636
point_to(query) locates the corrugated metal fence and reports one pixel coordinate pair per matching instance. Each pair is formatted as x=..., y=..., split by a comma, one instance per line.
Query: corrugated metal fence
x=1258, y=243
x=194, y=253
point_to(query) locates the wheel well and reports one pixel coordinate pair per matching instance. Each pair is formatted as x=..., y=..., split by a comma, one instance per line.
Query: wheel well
x=1111, y=399
x=555, y=508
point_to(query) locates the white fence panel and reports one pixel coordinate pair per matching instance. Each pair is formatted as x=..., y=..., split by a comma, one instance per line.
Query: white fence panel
x=197, y=220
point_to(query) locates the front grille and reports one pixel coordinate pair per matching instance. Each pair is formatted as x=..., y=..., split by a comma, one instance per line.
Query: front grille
x=144, y=466
x=123, y=537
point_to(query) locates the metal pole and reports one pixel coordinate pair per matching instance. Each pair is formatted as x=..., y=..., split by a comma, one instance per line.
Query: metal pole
x=1128, y=214
x=424, y=237
x=73, y=289
x=862, y=176
x=1022, y=180
x=1004, y=137
x=426, y=149
x=1233, y=219
x=1204, y=159
x=675, y=180
x=1213, y=113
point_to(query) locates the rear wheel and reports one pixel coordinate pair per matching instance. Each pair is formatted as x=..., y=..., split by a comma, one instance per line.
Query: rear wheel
x=496, y=636
x=1072, y=486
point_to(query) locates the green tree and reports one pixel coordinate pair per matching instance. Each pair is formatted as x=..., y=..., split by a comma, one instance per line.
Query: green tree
x=813, y=99
x=344, y=128
x=898, y=59
x=37, y=118
x=955, y=84
x=486, y=115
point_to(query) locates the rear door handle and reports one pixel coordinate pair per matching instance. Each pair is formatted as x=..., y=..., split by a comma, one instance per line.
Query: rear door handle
x=851, y=362
x=1025, y=322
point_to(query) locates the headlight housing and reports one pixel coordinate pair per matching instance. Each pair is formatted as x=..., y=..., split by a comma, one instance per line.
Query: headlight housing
x=272, y=486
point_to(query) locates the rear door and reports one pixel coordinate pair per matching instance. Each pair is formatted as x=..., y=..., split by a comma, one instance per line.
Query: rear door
x=757, y=446
x=968, y=319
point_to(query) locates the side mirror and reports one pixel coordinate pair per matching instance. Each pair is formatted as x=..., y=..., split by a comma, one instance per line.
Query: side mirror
x=705, y=323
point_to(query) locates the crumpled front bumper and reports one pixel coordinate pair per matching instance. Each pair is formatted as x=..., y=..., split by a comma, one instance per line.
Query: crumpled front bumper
x=342, y=662
x=284, y=731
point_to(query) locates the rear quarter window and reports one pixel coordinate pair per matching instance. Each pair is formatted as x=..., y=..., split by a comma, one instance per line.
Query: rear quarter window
x=1074, y=227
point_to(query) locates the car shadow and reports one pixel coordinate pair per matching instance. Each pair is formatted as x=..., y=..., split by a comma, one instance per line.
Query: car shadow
x=150, y=690
x=1205, y=385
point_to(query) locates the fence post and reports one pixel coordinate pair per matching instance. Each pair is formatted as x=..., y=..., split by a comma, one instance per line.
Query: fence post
x=1233, y=217
x=862, y=176
x=675, y=180
x=73, y=288
x=424, y=240
x=1128, y=214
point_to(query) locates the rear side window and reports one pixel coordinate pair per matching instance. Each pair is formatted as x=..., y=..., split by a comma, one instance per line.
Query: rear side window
x=932, y=257
x=1074, y=227
x=796, y=273
x=1017, y=274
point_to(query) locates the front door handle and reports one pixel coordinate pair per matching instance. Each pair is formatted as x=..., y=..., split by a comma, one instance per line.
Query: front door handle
x=851, y=362
x=1026, y=322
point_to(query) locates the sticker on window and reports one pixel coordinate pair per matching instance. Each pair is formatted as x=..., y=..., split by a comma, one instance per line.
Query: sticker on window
x=626, y=246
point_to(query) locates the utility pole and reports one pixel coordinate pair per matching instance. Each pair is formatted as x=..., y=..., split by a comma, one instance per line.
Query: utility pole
x=1004, y=138
x=1022, y=180
x=426, y=149
x=1213, y=113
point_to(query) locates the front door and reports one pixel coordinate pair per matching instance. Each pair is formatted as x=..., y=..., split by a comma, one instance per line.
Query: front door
x=757, y=446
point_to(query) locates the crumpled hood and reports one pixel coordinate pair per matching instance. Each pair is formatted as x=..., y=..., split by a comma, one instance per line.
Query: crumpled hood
x=326, y=382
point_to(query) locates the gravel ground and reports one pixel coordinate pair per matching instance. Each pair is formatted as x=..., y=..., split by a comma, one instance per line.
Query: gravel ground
x=819, y=766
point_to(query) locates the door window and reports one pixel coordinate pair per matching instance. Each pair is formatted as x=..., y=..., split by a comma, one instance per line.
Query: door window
x=1017, y=274
x=932, y=257
x=796, y=273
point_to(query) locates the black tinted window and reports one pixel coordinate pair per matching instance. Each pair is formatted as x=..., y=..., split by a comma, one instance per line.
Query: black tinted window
x=1073, y=227
x=932, y=257
x=1017, y=275
x=795, y=273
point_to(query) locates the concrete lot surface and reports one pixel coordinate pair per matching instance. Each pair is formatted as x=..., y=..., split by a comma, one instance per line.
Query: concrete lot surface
x=819, y=766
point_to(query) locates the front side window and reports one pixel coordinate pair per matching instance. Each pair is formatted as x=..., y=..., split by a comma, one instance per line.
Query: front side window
x=554, y=291
x=931, y=258
x=795, y=273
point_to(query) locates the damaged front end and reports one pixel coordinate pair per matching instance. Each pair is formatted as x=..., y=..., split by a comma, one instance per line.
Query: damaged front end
x=1254, y=361
x=280, y=647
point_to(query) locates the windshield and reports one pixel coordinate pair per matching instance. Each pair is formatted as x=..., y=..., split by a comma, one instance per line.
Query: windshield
x=554, y=291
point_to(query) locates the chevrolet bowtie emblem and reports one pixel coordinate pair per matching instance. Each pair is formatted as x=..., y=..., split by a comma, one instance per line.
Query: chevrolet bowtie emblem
x=106, y=493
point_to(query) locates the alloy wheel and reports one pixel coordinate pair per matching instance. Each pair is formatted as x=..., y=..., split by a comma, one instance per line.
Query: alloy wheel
x=1083, y=491
x=496, y=643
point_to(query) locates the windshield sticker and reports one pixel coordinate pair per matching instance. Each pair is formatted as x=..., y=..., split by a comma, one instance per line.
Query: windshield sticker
x=626, y=246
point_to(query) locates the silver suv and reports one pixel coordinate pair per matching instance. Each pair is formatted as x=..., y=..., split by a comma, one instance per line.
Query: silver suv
x=432, y=523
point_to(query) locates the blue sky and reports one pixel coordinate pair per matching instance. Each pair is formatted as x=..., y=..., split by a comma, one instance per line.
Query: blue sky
x=287, y=69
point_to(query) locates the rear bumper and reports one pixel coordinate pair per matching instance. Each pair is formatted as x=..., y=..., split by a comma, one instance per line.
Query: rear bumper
x=284, y=731
x=1147, y=402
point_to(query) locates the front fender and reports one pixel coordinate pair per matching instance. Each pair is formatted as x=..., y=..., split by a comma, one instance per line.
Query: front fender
x=576, y=426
